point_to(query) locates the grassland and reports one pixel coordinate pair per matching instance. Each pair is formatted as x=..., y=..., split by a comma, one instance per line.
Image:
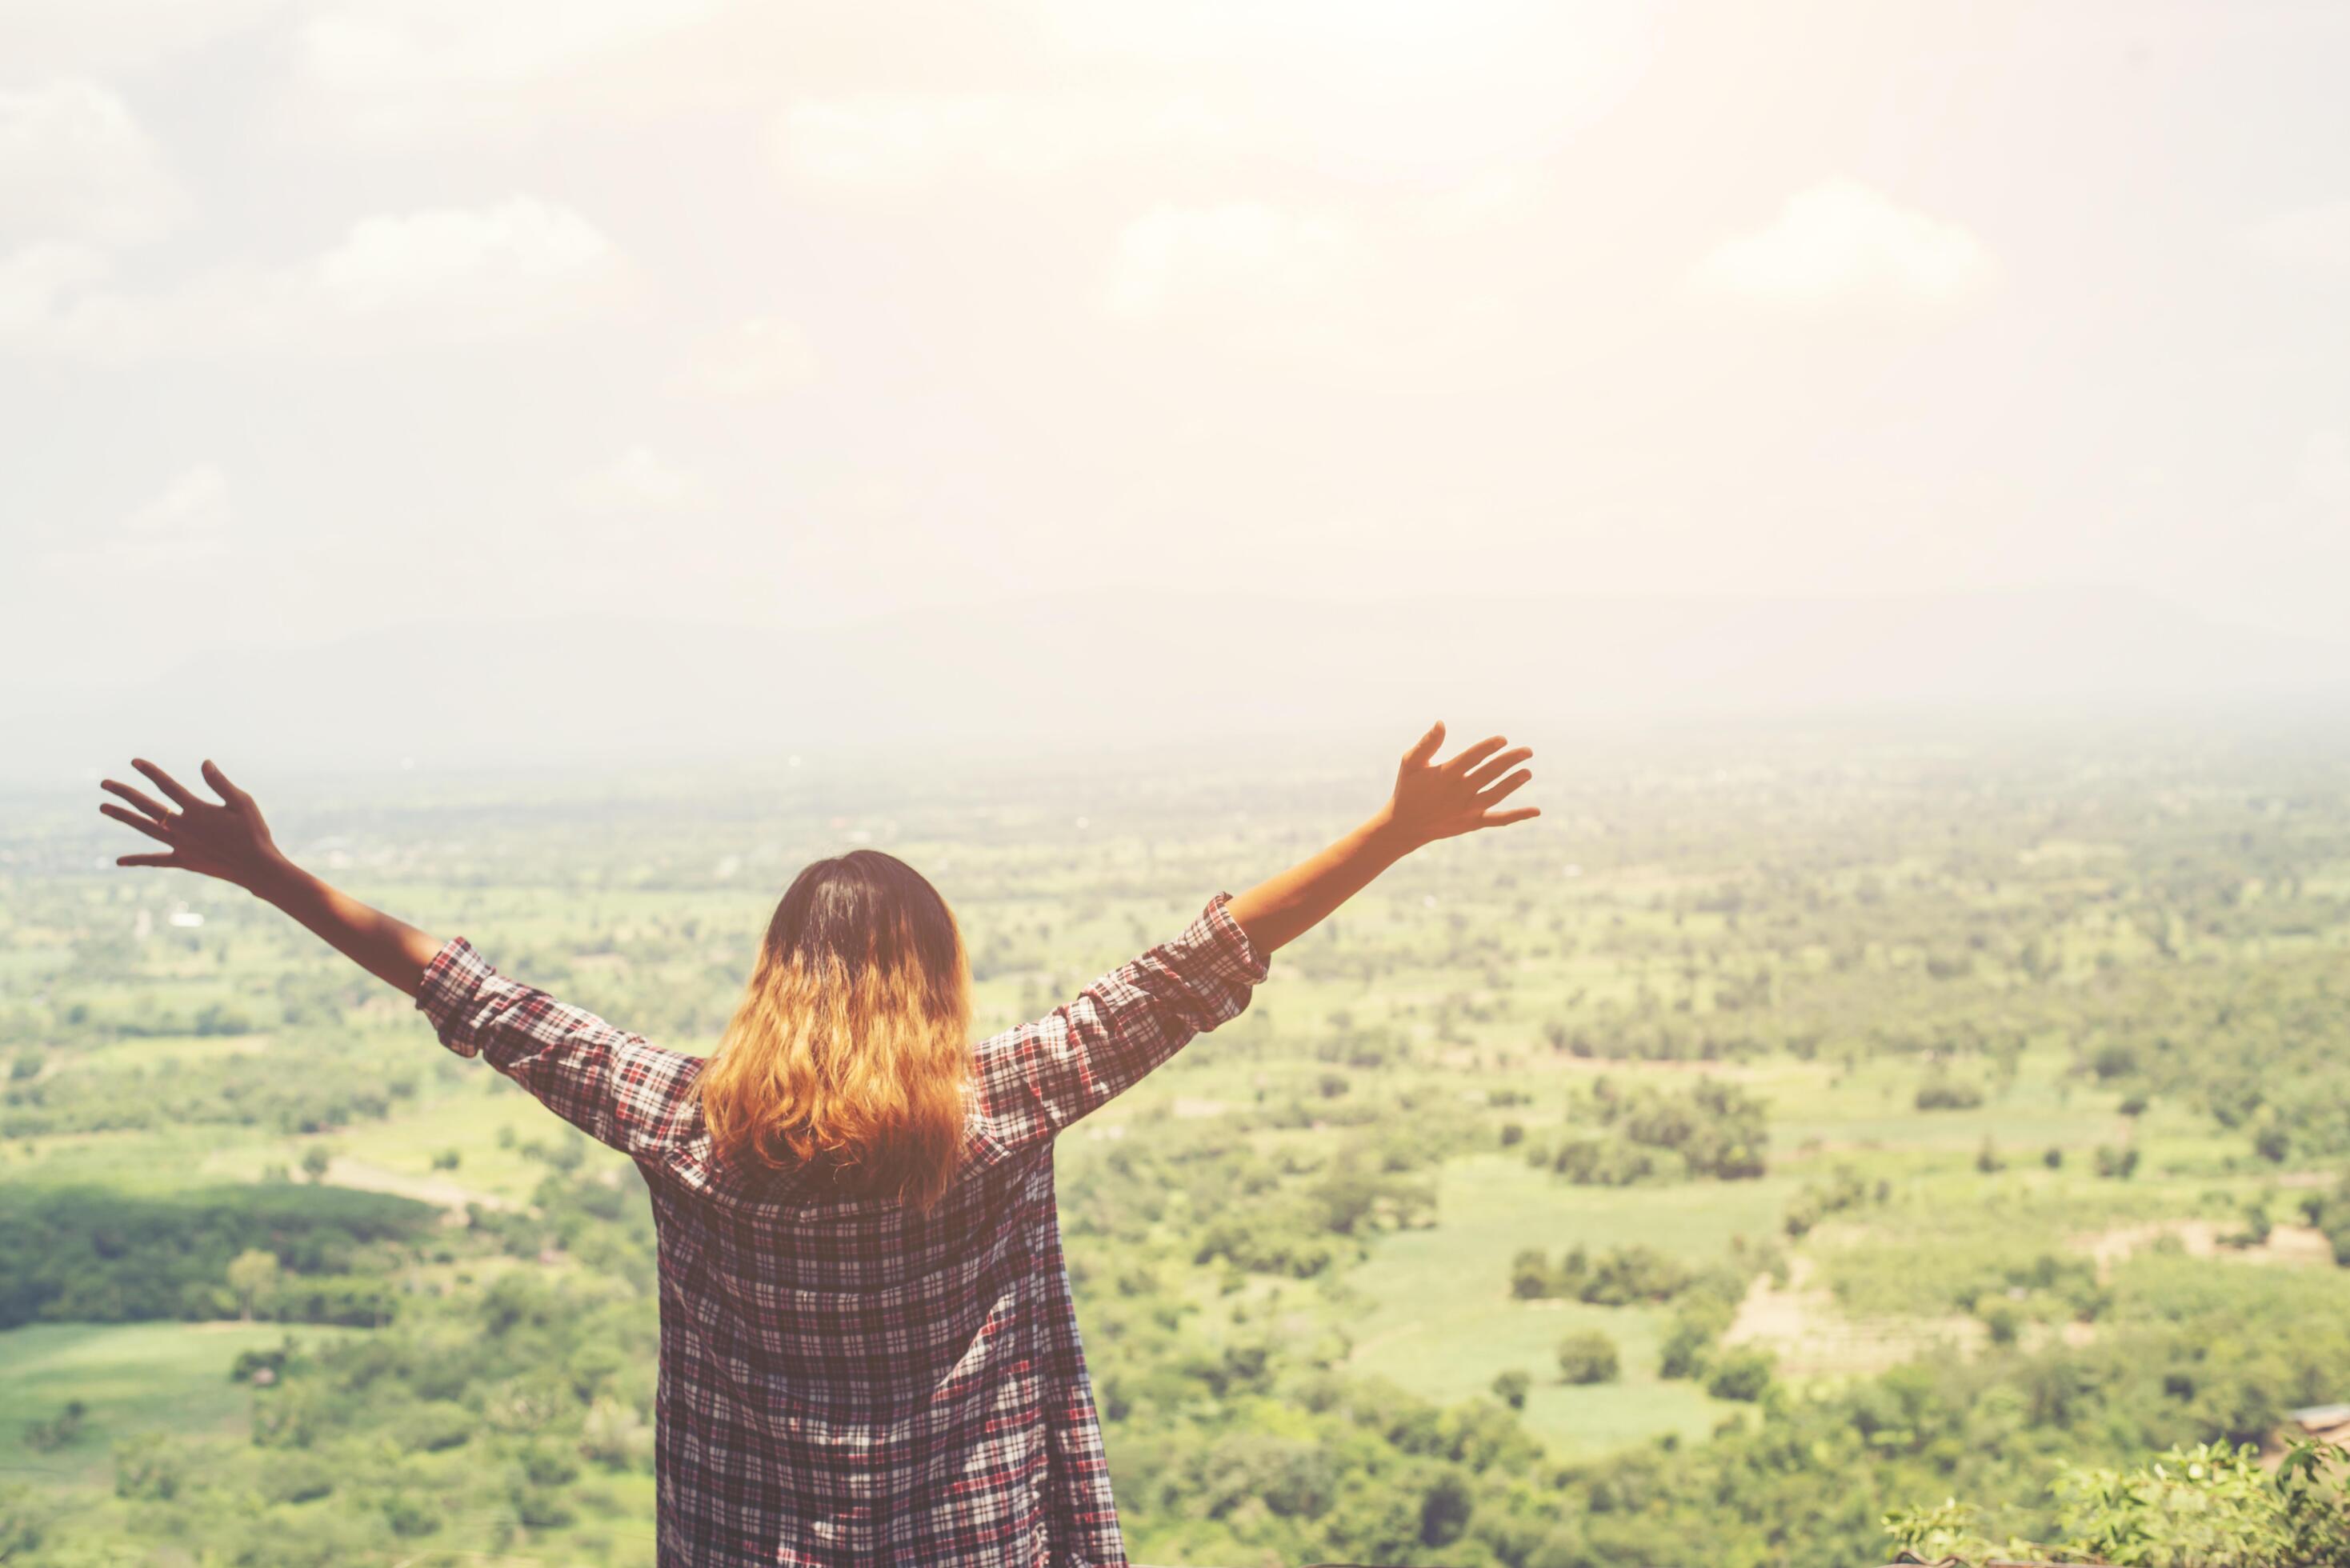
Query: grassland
x=130, y=1378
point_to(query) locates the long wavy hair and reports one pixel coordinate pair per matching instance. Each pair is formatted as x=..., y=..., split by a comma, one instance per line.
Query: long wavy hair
x=851, y=1047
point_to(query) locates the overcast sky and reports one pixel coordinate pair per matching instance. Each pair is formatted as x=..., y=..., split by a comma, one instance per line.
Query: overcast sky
x=321, y=317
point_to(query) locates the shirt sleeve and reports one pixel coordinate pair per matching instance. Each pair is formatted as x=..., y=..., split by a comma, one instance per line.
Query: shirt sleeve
x=1038, y=1078
x=609, y=1084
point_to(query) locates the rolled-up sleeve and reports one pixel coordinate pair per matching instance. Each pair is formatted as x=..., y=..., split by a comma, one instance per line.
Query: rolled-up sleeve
x=609, y=1084
x=1038, y=1078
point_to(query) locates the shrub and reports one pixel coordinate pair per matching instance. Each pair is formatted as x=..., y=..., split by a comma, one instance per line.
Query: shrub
x=1740, y=1375
x=1588, y=1356
x=1618, y=1277
x=410, y=1516
x=296, y=1478
x=1946, y=1094
x=59, y=1431
x=149, y=1468
x=2006, y=1323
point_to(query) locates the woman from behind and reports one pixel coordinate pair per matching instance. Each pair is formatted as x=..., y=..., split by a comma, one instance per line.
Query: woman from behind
x=868, y=1350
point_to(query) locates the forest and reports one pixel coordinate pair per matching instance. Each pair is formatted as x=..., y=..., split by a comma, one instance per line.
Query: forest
x=1794, y=1149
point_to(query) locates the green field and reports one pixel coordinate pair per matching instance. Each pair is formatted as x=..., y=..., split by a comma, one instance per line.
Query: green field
x=133, y=1378
x=1443, y=1324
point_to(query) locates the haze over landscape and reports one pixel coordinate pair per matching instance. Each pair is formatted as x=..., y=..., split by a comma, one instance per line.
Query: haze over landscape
x=1148, y=666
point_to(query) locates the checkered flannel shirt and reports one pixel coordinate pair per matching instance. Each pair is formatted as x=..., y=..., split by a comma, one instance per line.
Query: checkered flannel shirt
x=845, y=1381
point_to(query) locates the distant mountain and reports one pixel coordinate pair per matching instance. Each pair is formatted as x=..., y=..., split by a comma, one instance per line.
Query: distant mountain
x=1127, y=666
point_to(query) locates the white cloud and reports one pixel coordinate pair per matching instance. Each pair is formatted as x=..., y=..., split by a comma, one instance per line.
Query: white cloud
x=1459, y=35
x=638, y=480
x=1392, y=291
x=37, y=280
x=187, y=517
x=763, y=356
x=1372, y=88
x=74, y=165
x=40, y=38
x=2325, y=469
x=423, y=69
x=2316, y=236
x=521, y=260
x=394, y=280
x=1244, y=252
x=186, y=522
x=886, y=139
x=1840, y=240
x=1488, y=199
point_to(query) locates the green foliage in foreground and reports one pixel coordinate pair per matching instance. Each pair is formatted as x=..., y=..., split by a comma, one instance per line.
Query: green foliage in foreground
x=2208, y=1506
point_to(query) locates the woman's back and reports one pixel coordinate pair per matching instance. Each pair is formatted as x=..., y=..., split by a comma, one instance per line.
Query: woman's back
x=895, y=1387
x=851, y=1379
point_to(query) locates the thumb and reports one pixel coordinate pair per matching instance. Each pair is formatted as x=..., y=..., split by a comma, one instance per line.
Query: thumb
x=1425, y=747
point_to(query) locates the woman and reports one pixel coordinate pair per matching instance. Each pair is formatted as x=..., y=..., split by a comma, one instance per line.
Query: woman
x=869, y=1351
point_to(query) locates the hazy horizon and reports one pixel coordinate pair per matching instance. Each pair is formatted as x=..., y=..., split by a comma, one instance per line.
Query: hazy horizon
x=1141, y=671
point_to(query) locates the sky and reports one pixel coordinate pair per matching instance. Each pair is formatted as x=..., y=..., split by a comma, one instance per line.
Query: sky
x=323, y=318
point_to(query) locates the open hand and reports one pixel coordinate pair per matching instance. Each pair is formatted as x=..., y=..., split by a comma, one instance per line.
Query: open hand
x=1444, y=800
x=228, y=840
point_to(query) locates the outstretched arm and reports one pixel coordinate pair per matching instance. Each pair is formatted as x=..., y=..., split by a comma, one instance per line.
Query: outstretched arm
x=606, y=1082
x=1431, y=801
x=1036, y=1079
x=228, y=841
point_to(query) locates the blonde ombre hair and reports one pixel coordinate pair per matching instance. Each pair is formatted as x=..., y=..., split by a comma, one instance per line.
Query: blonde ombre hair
x=851, y=1047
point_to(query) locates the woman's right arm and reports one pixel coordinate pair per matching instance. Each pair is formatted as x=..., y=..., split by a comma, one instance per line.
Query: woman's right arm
x=228, y=841
x=1038, y=1078
x=609, y=1084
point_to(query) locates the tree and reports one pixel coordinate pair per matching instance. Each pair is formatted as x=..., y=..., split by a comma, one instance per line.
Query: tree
x=316, y=1162
x=1510, y=1387
x=1444, y=1509
x=24, y=1520
x=252, y=1276
x=47, y=1437
x=1588, y=1356
x=2005, y=1323
x=1740, y=1375
x=615, y=1436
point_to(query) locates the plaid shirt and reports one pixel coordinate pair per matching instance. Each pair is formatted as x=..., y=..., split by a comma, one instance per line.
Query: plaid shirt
x=845, y=1381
